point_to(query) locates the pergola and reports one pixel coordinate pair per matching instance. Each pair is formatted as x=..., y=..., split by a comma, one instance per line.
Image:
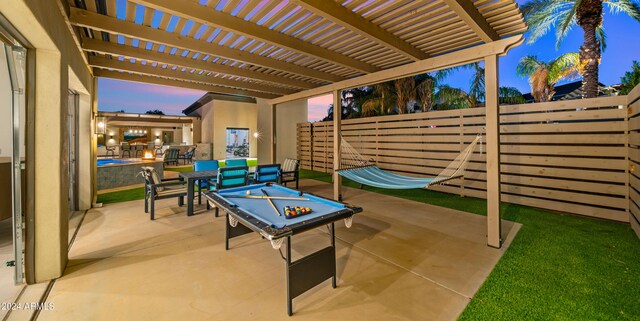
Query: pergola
x=285, y=50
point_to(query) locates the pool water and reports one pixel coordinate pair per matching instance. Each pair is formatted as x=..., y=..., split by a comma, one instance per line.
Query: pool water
x=103, y=162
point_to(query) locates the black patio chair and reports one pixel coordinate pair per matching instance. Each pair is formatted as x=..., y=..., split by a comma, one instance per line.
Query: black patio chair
x=290, y=171
x=171, y=156
x=188, y=155
x=157, y=189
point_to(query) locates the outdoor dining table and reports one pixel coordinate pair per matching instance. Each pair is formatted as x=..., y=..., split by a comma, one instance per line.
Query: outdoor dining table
x=193, y=177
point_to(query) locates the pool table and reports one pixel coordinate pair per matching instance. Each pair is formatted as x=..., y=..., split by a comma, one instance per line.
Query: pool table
x=255, y=206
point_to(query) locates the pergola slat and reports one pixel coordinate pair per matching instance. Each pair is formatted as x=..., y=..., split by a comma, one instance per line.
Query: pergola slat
x=177, y=83
x=198, y=13
x=105, y=63
x=354, y=22
x=100, y=22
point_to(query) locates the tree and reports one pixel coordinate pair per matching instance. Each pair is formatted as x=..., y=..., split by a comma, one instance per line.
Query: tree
x=543, y=76
x=510, y=95
x=154, y=112
x=405, y=89
x=542, y=15
x=630, y=79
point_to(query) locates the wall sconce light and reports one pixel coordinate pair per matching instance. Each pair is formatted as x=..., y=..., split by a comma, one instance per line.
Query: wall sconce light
x=157, y=136
x=110, y=136
x=256, y=135
x=101, y=125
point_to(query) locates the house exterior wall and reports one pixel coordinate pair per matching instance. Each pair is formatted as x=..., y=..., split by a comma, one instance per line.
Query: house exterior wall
x=233, y=114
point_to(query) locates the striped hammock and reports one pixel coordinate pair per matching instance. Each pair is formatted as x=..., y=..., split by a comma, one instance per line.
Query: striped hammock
x=357, y=168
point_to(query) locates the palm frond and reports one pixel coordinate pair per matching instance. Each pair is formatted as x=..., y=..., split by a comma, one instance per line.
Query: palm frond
x=625, y=6
x=542, y=15
x=528, y=65
x=567, y=22
x=452, y=98
x=601, y=36
x=566, y=66
x=510, y=95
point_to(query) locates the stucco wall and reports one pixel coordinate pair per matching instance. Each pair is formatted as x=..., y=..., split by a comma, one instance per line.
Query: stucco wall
x=288, y=115
x=233, y=114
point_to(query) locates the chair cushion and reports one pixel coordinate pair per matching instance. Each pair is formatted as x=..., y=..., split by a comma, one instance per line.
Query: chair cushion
x=289, y=165
x=155, y=178
x=170, y=190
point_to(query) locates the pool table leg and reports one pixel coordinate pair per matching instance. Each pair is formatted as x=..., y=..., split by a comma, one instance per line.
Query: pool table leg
x=333, y=246
x=288, y=257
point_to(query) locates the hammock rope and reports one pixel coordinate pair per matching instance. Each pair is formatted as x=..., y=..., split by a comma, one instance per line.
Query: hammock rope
x=356, y=167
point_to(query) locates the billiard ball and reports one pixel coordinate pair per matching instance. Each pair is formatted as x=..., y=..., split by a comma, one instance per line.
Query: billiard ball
x=248, y=192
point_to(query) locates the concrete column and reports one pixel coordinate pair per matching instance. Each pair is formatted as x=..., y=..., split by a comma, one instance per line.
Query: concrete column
x=337, y=120
x=84, y=153
x=51, y=188
x=493, y=152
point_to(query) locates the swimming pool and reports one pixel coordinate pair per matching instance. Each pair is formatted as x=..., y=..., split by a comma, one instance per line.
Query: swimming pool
x=103, y=162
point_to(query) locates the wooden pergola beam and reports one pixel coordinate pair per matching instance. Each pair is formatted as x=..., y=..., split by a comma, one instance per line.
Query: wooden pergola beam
x=467, y=11
x=356, y=23
x=453, y=59
x=101, y=73
x=107, y=48
x=87, y=19
x=211, y=17
x=148, y=69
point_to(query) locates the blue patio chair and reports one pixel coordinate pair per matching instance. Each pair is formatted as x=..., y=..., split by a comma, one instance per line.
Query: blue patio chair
x=229, y=177
x=267, y=173
x=236, y=162
x=206, y=165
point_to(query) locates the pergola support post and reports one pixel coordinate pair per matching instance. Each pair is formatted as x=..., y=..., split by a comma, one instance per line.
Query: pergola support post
x=493, y=151
x=273, y=154
x=337, y=155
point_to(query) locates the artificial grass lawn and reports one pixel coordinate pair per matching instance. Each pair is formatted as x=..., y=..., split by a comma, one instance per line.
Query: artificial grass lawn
x=122, y=196
x=559, y=266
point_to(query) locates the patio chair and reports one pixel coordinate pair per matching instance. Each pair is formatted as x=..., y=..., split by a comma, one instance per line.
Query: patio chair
x=267, y=173
x=290, y=171
x=125, y=148
x=171, y=156
x=236, y=162
x=229, y=177
x=188, y=155
x=205, y=165
x=157, y=189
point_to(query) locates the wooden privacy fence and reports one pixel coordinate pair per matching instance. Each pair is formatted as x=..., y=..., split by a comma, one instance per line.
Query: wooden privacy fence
x=568, y=156
x=634, y=159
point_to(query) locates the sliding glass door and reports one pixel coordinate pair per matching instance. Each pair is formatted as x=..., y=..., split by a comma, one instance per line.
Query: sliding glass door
x=13, y=142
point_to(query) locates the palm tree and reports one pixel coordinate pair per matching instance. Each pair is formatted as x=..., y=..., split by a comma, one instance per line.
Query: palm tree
x=405, y=92
x=426, y=85
x=542, y=15
x=630, y=79
x=543, y=76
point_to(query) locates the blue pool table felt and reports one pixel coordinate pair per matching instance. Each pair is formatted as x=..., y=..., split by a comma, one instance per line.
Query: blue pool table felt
x=262, y=210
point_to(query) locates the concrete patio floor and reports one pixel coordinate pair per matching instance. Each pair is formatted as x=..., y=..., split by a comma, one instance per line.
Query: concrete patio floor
x=401, y=260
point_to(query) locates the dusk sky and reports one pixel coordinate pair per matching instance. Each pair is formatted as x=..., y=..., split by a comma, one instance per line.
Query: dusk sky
x=623, y=46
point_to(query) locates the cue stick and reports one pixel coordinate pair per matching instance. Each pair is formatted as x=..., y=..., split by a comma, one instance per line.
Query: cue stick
x=270, y=201
x=271, y=197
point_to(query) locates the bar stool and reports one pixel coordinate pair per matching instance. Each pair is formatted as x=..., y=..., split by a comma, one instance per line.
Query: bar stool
x=126, y=148
x=111, y=149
